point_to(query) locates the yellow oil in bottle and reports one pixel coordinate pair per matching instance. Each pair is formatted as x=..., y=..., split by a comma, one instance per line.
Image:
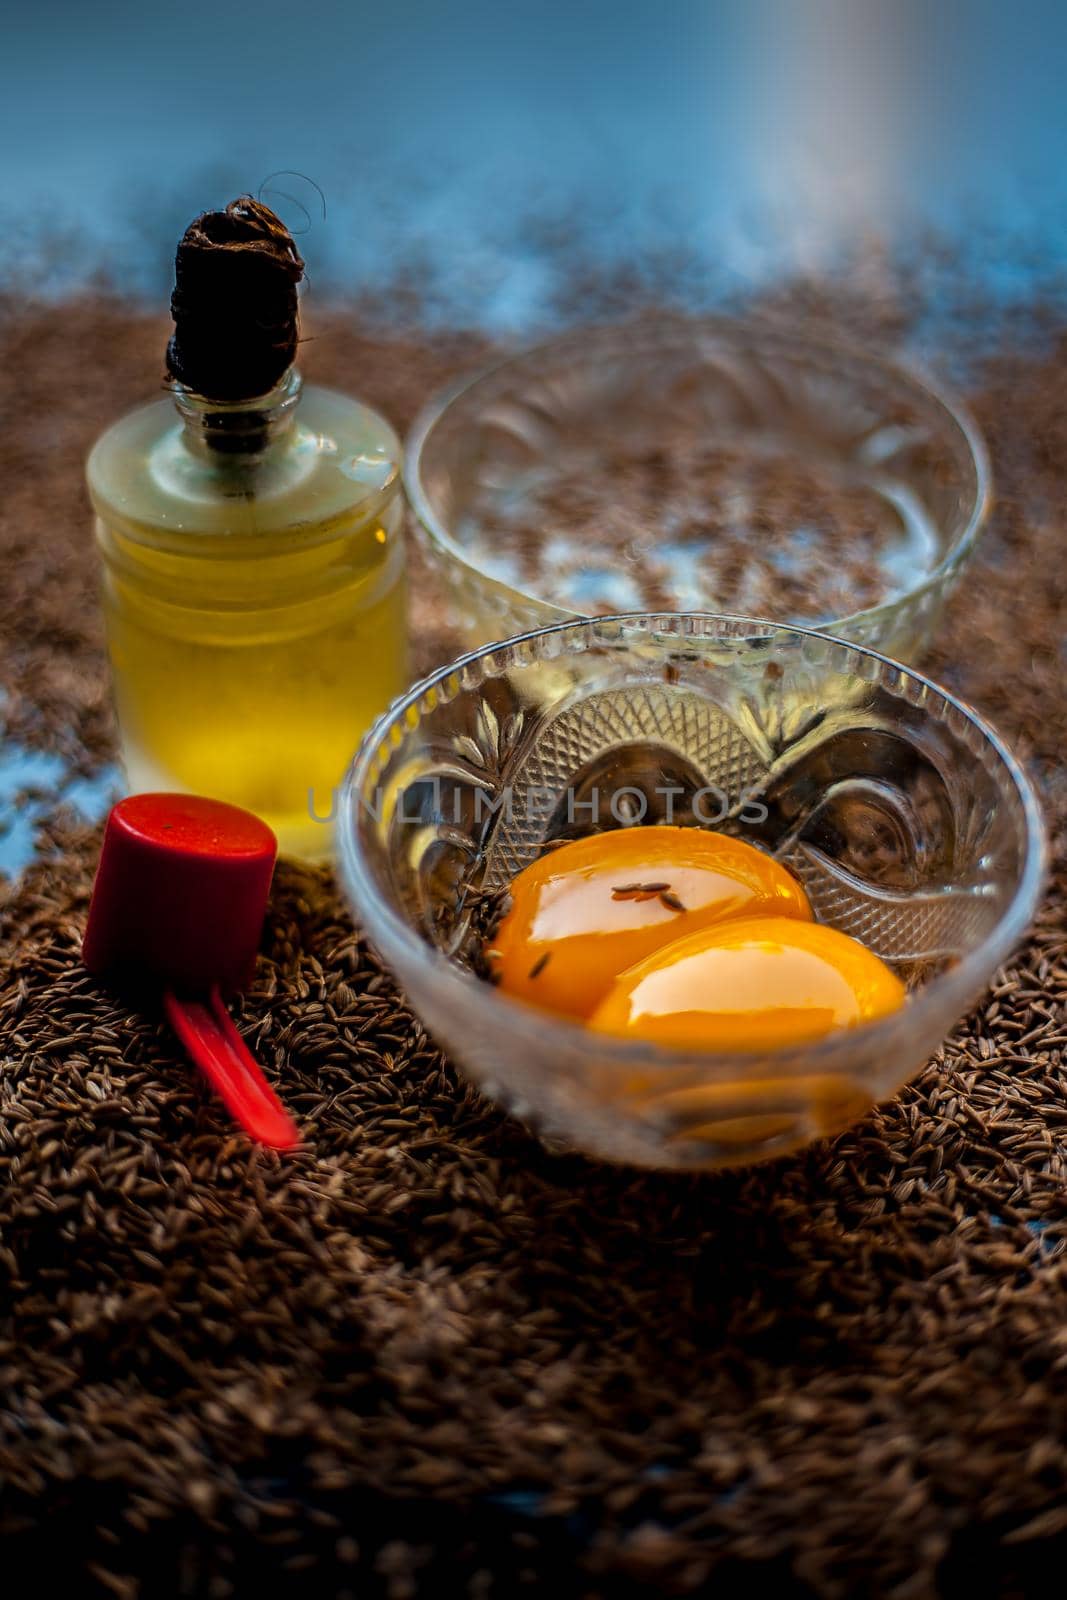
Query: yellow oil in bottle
x=254, y=598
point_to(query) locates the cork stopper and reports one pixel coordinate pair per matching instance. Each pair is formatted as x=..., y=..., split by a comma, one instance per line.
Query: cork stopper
x=234, y=303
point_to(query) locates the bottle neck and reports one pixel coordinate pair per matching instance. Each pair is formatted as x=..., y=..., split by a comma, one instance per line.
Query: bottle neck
x=240, y=428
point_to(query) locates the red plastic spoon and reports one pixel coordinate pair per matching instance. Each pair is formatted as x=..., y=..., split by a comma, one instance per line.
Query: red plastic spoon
x=178, y=900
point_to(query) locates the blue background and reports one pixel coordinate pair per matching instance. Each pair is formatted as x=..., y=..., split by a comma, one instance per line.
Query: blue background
x=467, y=142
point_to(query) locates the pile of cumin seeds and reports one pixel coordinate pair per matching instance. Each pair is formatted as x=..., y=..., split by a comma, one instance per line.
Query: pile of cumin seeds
x=423, y=1356
x=687, y=525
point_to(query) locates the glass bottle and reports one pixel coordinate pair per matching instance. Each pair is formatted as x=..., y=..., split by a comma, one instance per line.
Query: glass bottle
x=254, y=595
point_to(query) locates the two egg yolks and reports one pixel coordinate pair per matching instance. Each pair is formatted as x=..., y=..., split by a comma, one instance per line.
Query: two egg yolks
x=686, y=937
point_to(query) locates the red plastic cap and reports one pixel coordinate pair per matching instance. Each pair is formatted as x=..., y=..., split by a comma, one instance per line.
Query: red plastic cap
x=180, y=892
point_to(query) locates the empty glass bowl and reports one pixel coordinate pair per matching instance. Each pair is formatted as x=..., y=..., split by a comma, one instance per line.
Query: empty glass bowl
x=906, y=819
x=679, y=465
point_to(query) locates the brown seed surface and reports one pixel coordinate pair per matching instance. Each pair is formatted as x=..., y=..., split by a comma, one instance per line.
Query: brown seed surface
x=764, y=537
x=424, y=1356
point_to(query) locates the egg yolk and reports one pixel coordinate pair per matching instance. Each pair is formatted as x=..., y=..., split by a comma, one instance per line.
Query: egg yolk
x=751, y=984
x=594, y=907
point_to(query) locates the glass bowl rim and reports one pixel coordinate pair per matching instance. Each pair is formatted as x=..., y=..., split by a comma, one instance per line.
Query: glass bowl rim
x=383, y=925
x=769, y=332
